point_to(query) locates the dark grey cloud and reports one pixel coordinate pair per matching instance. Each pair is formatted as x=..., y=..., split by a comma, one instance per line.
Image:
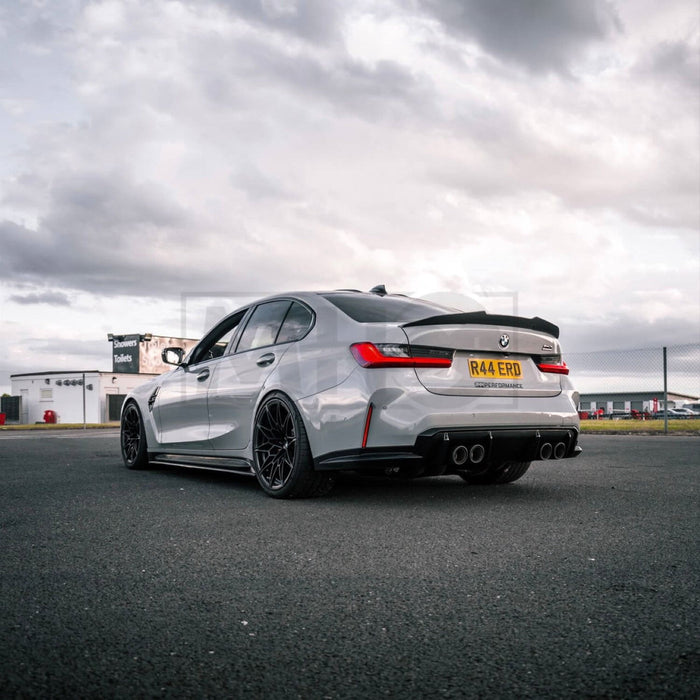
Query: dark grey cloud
x=100, y=232
x=542, y=35
x=674, y=62
x=110, y=236
x=313, y=20
x=384, y=90
x=98, y=263
x=102, y=202
x=49, y=298
x=250, y=71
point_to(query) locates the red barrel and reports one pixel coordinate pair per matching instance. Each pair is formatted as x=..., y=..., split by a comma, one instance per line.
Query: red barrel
x=49, y=416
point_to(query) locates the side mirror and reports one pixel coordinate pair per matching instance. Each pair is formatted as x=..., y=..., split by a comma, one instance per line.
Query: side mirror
x=173, y=356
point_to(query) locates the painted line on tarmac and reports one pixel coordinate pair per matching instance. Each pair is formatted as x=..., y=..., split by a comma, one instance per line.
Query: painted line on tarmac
x=67, y=435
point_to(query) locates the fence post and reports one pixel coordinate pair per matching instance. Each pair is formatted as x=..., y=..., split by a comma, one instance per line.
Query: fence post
x=84, y=418
x=665, y=391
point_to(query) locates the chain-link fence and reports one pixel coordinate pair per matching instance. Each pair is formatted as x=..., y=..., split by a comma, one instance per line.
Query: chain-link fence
x=636, y=379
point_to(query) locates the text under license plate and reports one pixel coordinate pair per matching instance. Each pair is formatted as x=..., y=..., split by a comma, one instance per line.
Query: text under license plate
x=495, y=369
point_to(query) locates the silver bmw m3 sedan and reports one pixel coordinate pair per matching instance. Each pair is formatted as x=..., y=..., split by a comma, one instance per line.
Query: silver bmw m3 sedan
x=296, y=387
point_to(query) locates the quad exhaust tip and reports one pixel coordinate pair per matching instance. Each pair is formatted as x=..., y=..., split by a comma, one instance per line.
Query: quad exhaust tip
x=461, y=454
x=477, y=454
x=558, y=451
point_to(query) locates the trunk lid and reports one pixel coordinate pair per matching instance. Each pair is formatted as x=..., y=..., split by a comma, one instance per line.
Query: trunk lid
x=494, y=355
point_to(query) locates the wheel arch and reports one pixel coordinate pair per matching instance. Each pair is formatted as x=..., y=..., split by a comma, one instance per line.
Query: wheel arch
x=263, y=396
x=146, y=419
x=280, y=450
x=133, y=438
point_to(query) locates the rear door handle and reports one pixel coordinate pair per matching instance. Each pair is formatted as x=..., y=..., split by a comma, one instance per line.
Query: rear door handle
x=204, y=374
x=267, y=359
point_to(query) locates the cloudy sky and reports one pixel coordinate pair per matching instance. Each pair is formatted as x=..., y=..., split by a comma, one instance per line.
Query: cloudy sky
x=157, y=154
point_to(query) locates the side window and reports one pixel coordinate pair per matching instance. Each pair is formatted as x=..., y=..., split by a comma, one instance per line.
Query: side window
x=214, y=344
x=263, y=326
x=296, y=324
x=219, y=347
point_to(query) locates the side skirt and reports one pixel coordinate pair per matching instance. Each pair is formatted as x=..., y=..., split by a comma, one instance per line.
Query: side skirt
x=377, y=458
x=233, y=465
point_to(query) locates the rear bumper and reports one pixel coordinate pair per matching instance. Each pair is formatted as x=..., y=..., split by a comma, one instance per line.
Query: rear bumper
x=445, y=450
x=490, y=447
x=336, y=420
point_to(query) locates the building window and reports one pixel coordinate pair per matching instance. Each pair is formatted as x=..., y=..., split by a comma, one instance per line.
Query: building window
x=46, y=394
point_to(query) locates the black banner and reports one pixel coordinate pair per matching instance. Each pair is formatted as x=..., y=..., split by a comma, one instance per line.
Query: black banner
x=125, y=354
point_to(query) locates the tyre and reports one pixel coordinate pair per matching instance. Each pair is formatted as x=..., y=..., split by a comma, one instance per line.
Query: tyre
x=502, y=474
x=133, y=438
x=281, y=454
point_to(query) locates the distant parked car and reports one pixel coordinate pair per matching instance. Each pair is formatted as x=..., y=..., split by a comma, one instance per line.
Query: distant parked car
x=680, y=413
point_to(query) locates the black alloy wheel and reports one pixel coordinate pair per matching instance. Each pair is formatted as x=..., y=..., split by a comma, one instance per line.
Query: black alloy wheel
x=133, y=438
x=282, y=457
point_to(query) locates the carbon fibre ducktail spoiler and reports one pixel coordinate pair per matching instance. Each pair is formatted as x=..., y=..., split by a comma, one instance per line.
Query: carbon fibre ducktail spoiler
x=481, y=318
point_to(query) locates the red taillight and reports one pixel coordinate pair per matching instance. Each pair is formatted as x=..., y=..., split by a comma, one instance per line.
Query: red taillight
x=370, y=355
x=554, y=369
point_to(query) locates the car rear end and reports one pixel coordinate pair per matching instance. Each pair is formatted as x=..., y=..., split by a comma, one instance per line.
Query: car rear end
x=510, y=387
x=457, y=393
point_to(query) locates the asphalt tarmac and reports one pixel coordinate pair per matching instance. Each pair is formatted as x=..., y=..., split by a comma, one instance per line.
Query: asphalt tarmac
x=579, y=580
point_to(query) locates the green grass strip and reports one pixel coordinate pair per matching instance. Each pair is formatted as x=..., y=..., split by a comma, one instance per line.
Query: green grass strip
x=641, y=426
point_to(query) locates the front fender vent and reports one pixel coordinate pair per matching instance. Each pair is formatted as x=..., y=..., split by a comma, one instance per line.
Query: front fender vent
x=152, y=398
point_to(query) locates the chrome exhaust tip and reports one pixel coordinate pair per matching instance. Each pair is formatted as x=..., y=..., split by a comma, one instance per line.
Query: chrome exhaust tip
x=559, y=450
x=546, y=451
x=477, y=454
x=460, y=455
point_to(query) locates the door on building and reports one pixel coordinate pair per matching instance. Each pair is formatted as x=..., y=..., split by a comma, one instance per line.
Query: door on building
x=114, y=403
x=24, y=406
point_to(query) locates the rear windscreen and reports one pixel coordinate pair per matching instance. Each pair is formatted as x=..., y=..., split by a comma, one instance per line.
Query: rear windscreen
x=372, y=308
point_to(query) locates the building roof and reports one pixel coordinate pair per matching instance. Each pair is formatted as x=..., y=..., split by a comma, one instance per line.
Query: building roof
x=587, y=395
x=42, y=374
x=77, y=371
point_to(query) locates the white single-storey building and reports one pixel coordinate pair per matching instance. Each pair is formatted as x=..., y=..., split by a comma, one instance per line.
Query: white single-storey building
x=82, y=396
x=627, y=401
x=90, y=396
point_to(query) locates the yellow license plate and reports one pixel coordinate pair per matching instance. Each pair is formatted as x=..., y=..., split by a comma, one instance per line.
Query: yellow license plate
x=495, y=369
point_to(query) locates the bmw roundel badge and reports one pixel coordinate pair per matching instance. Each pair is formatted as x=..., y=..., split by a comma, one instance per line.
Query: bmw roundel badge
x=504, y=340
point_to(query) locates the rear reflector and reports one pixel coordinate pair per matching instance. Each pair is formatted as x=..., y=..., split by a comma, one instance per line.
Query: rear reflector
x=370, y=409
x=370, y=355
x=554, y=369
